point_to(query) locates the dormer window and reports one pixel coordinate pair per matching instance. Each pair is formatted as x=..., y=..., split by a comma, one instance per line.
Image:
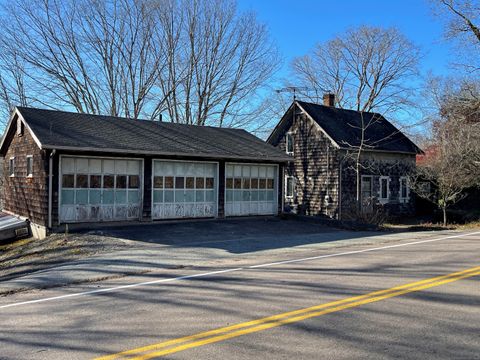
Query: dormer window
x=289, y=143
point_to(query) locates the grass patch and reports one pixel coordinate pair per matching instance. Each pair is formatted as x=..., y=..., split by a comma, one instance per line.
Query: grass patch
x=419, y=225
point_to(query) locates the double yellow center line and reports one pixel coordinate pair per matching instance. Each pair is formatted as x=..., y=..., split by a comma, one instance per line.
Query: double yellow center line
x=225, y=333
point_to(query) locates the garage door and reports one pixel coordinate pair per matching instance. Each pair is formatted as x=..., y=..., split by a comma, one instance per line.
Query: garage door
x=184, y=189
x=251, y=190
x=98, y=189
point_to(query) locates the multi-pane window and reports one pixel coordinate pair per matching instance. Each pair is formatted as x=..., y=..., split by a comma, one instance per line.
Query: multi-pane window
x=192, y=183
x=404, y=191
x=384, y=191
x=289, y=143
x=97, y=181
x=11, y=167
x=289, y=186
x=366, y=187
x=249, y=183
x=29, y=165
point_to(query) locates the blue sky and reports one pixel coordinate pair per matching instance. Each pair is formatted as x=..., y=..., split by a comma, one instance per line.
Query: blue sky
x=296, y=26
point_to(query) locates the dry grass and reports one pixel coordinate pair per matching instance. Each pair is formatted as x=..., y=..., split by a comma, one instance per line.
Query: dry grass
x=27, y=255
x=409, y=225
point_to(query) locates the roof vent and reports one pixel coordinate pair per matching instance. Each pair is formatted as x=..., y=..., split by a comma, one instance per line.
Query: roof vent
x=329, y=99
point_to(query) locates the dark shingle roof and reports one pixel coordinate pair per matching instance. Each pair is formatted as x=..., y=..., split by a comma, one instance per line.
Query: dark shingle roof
x=58, y=129
x=343, y=126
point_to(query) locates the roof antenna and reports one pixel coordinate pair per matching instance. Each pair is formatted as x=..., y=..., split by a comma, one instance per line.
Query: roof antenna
x=292, y=89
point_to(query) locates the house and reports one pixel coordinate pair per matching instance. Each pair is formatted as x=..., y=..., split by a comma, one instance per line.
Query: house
x=63, y=167
x=326, y=142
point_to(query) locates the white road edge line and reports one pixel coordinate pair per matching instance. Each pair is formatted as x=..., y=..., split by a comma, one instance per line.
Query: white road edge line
x=357, y=251
x=186, y=277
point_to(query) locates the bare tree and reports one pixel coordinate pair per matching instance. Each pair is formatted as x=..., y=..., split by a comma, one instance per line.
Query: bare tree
x=201, y=62
x=368, y=69
x=224, y=59
x=12, y=81
x=462, y=26
x=453, y=164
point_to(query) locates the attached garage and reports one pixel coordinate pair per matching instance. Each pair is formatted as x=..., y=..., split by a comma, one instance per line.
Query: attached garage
x=184, y=189
x=251, y=189
x=100, y=189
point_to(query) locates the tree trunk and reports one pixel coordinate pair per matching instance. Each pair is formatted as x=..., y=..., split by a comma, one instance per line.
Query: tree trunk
x=358, y=181
x=444, y=209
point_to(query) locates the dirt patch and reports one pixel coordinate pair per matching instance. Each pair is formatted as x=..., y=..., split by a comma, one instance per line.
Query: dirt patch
x=29, y=255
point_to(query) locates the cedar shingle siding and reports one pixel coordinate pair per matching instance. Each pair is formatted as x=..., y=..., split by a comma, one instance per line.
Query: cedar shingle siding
x=25, y=196
x=323, y=167
x=315, y=169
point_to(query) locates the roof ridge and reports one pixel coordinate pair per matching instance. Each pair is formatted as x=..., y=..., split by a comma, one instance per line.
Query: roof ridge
x=340, y=109
x=168, y=123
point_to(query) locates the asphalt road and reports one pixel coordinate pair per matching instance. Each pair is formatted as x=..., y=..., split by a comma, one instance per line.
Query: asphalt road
x=220, y=313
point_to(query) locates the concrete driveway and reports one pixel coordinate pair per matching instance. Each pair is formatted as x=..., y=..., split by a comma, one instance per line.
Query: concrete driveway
x=236, y=236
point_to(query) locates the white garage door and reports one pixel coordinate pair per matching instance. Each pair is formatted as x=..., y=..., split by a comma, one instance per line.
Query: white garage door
x=99, y=189
x=251, y=190
x=184, y=189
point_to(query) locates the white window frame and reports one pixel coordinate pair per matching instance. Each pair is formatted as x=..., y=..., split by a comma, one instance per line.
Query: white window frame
x=286, y=187
x=287, y=137
x=400, y=197
x=381, y=199
x=11, y=166
x=30, y=158
x=20, y=127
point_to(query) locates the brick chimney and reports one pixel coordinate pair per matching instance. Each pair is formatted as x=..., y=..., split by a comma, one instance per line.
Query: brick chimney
x=329, y=99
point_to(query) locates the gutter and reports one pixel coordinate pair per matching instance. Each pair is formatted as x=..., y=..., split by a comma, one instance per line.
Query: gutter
x=50, y=184
x=258, y=158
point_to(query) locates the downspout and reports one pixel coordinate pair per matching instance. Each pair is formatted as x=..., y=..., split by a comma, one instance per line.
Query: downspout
x=340, y=191
x=284, y=187
x=50, y=184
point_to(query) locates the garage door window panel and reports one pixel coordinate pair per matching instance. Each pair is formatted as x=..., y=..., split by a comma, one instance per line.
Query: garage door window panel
x=95, y=196
x=95, y=181
x=68, y=197
x=108, y=181
x=193, y=185
x=133, y=181
x=133, y=197
x=100, y=189
x=253, y=189
x=168, y=182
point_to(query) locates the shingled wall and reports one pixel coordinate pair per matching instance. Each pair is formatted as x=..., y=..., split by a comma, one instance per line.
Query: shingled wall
x=26, y=196
x=315, y=169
